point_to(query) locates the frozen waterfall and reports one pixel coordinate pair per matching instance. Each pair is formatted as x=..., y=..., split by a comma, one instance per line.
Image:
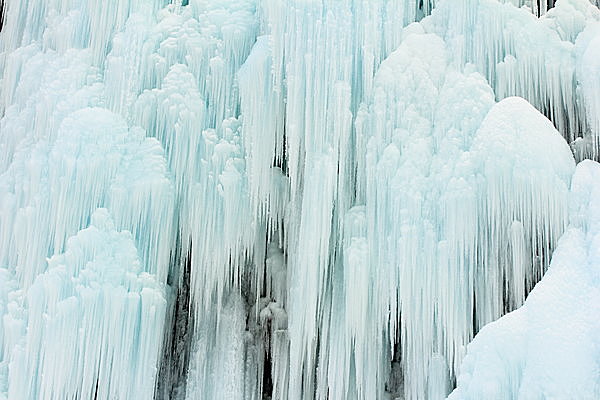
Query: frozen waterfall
x=299, y=199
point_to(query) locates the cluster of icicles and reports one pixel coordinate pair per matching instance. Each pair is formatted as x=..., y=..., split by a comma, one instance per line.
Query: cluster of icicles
x=287, y=199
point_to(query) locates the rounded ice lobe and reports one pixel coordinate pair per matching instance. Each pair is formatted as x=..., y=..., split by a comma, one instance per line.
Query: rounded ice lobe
x=514, y=132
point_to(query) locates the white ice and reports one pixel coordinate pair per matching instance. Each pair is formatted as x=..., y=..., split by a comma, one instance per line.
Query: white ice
x=302, y=199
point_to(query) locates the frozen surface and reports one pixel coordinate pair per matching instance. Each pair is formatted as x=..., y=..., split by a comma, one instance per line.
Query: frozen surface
x=290, y=199
x=549, y=347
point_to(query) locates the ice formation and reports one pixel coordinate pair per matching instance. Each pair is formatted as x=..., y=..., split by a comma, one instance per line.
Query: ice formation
x=299, y=199
x=548, y=348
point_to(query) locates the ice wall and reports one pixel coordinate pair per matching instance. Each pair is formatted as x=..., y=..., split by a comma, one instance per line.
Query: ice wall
x=304, y=199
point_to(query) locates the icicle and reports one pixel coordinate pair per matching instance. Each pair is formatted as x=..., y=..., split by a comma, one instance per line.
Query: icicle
x=263, y=112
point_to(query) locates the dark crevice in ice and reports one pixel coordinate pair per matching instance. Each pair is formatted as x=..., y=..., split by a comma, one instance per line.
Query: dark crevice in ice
x=178, y=330
x=395, y=383
x=1, y=14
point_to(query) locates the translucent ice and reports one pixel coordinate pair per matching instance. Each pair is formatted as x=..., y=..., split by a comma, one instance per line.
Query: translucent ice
x=294, y=199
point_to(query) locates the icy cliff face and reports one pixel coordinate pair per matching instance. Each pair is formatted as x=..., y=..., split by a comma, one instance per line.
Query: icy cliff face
x=215, y=199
